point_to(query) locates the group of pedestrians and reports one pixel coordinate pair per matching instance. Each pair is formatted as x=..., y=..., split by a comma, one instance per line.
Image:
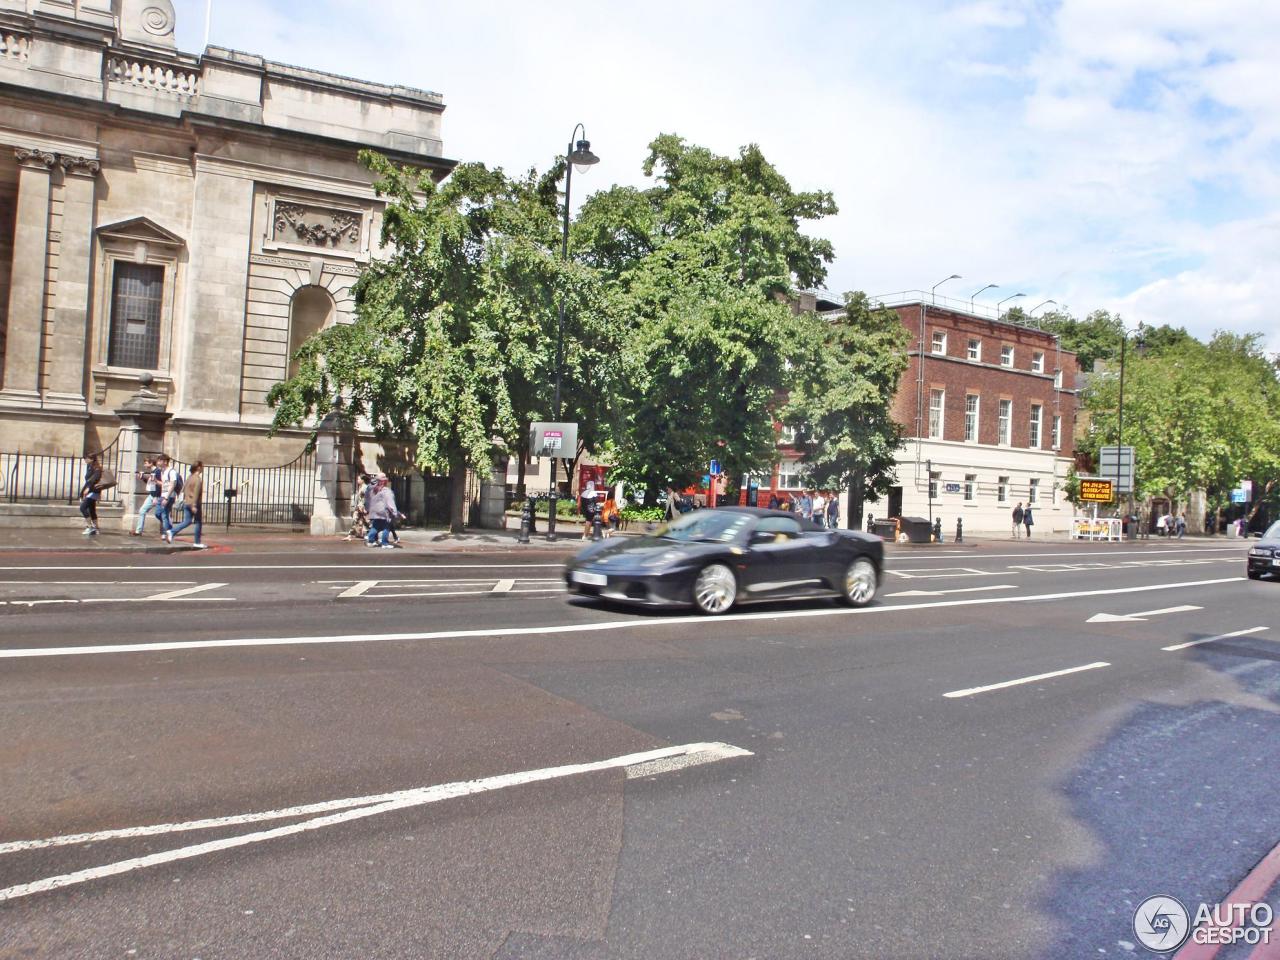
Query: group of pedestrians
x=1023, y=518
x=1170, y=525
x=165, y=489
x=821, y=509
x=374, y=514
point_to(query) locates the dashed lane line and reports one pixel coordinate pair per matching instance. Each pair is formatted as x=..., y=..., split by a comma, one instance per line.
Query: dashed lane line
x=1221, y=636
x=954, y=694
x=649, y=763
x=700, y=624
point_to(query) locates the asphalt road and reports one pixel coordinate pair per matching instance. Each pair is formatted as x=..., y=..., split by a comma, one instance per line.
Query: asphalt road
x=369, y=754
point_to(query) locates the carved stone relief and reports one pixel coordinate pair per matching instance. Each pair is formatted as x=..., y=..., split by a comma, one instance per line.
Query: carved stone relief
x=316, y=226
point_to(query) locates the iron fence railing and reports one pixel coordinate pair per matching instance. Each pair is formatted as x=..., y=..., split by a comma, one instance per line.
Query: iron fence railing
x=54, y=478
x=267, y=496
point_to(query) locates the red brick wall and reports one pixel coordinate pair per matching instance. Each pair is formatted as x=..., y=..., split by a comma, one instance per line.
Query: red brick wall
x=958, y=376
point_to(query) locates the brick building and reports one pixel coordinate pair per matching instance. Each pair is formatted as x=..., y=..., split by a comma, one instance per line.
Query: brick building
x=988, y=407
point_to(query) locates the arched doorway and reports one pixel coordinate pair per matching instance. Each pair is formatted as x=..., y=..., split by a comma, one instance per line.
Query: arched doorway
x=310, y=311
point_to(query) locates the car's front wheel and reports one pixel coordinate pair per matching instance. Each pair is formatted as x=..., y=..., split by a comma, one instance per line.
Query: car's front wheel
x=715, y=589
x=860, y=583
x=1255, y=574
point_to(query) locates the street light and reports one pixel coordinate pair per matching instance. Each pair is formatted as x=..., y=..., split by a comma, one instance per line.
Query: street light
x=933, y=291
x=1004, y=301
x=989, y=286
x=578, y=156
x=1032, y=311
x=1124, y=341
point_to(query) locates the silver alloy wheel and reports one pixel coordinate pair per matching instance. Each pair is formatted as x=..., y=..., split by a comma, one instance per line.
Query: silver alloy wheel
x=715, y=589
x=860, y=582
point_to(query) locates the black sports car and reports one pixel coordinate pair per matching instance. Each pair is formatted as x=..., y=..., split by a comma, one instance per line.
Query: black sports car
x=1264, y=557
x=712, y=559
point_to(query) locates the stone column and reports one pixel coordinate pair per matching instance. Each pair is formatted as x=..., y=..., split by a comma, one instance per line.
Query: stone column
x=142, y=426
x=69, y=360
x=21, y=386
x=335, y=449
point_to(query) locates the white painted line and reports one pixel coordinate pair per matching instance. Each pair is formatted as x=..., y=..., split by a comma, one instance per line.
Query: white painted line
x=1153, y=551
x=945, y=574
x=186, y=592
x=504, y=586
x=1133, y=617
x=92, y=583
x=940, y=593
x=665, y=760
x=311, y=566
x=359, y=589
x=1013, y=683
x=1221, y=636
x=699, y=623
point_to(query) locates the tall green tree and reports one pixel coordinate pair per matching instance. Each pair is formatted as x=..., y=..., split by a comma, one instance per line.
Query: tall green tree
x=841, y=403
x=699, y=264
x=453, y=341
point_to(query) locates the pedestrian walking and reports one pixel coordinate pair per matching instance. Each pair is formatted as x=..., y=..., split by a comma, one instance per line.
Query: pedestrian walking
x=150, y=479
x=611, y=517
x=170, y=488
x=1018, y=516
x=819, y=509
x=1028, y=520
x=774, y=502
x=359, y=509
x=90, y=493
x=806, y=505
x=382, y=512
x=833, y=513
x=1162, y=525
x=192, y=506
x=1181, y=525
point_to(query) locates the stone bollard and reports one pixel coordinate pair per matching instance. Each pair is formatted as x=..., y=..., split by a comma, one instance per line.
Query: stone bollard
x=959, y=529
x=526, y=520
x=937, y=530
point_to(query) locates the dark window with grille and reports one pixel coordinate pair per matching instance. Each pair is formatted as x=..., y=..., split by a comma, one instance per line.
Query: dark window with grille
x=136, y=294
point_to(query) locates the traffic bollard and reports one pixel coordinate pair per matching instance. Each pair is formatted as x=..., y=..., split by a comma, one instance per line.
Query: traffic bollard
x=597, y=529
x=937, y=530
x=526, y=521
x=552, y=506
x=959, y=529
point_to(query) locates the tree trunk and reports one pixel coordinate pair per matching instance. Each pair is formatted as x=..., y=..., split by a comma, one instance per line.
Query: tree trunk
x=857, y=501
x=457, y=496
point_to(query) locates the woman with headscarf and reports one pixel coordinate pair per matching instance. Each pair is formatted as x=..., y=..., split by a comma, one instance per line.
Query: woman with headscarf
x=382, y=513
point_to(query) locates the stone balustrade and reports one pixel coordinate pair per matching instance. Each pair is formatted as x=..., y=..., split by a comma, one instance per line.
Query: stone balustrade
x=153, y=75
x=14, y=46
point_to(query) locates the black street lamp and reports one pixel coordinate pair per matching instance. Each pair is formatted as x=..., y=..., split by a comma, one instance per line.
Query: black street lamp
x=1124, y=342
x=577, y=155
x=1006, y=300
x=989, y=286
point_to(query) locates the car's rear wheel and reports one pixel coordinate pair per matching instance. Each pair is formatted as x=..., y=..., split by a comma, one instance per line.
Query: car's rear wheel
x=860, y=583
x=715, y=589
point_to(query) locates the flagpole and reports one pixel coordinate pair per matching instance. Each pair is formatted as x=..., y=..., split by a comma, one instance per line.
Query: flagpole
x=208, y=21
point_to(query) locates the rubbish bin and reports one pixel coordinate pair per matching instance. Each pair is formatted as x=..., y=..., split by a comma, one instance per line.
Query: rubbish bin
x=1131, y=528
x=884, y=529
x=917, y=529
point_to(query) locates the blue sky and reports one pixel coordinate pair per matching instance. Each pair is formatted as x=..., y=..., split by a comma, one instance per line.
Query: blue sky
x=1102, y=153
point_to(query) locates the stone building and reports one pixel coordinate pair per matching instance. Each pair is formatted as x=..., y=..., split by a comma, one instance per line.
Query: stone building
x=179, y=220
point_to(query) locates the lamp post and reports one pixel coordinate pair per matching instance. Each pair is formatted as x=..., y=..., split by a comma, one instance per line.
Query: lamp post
x=1004, y=301
x=933, y=291
x=989, y=286
x=1124, y=341
x=924, y=322
x=1043, y=303
x=577, y=155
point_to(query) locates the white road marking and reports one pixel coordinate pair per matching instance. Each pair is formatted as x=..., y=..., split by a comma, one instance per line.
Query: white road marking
x=945, y=574
x=504, y=586
x=1133, y=617
x=1075, y=553
x=1013, y=683
x=634, y=624
x=1221, y=636
x=185, y=592
x=358, y=589
x=91, y=583
x=649, y=763
x=310, y=566
x=940, y=593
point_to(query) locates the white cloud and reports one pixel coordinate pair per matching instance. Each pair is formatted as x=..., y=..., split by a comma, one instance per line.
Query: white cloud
x=1115, y=153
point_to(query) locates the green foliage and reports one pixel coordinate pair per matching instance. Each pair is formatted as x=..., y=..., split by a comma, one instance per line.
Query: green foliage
x=696, y=264
x=840, y=406
x=644, y=514
x=1200, y=416
x=1096, y=337
x=453, y=341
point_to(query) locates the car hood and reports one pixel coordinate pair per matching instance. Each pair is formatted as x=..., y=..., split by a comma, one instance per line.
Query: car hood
x=638, y=551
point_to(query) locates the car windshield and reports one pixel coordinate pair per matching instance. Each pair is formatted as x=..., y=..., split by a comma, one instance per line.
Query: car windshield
x=719, y=526
x=1274, y=532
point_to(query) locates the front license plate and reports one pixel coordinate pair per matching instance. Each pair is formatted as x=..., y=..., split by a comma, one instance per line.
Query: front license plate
x=589, y=579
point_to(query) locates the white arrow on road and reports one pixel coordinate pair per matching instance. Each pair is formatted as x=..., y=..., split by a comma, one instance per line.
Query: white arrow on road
x=941, y=593
x=1122, y=618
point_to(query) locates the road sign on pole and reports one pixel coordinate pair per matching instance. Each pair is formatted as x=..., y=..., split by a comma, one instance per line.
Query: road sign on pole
x=1118, y=464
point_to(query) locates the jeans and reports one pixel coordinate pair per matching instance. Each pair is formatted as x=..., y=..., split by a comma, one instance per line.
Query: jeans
x=379, y=527
x=190, y=516
x=162, y=514
x=147, y=506
x=89, y=510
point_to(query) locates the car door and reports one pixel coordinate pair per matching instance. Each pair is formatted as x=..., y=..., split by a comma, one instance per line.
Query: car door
x=823, y=557
x=778, y=557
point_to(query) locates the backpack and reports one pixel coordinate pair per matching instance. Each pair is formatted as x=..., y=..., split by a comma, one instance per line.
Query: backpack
x=177, y=482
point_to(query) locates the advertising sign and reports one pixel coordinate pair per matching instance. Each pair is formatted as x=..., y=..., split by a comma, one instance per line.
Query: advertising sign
x=1096, y=490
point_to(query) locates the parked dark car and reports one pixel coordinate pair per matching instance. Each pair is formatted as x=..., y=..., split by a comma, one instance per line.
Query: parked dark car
x=1264, y=557
x=714, y=559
